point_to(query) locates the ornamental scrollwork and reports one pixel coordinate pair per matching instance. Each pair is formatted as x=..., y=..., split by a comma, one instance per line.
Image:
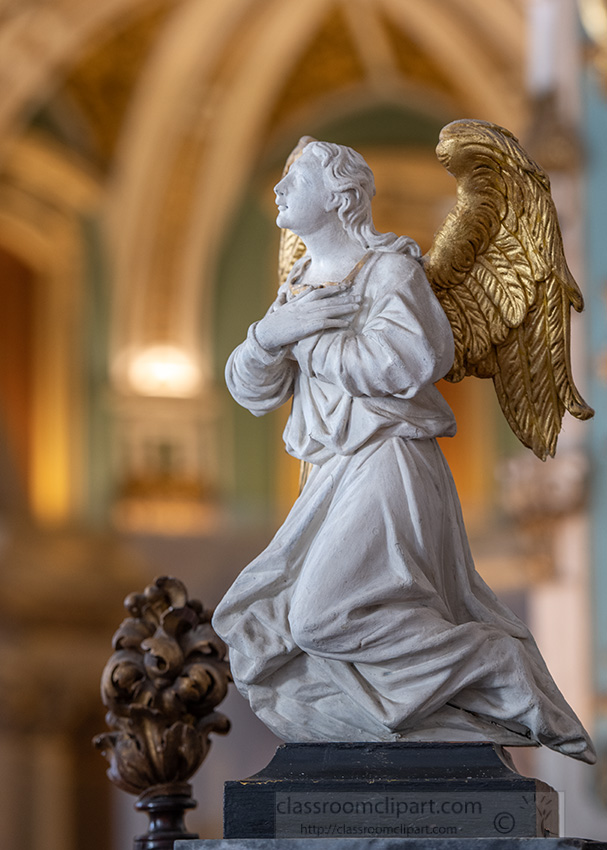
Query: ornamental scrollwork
x=167, y=674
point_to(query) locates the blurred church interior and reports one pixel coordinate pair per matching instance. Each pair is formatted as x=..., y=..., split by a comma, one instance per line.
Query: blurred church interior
x=139, y=144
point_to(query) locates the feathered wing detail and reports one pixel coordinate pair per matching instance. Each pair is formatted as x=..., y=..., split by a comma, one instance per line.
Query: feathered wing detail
x=290, y=249
x=498, y=268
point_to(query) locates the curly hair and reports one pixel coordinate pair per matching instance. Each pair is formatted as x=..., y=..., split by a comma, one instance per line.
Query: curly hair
x=351, y=182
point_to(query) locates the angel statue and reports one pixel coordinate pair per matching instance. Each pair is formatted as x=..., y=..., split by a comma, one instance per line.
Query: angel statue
x=365, y=619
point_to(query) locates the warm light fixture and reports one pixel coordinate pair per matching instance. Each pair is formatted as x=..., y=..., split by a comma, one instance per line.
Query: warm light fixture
x=594, y=19
x=163, y=370
x=593, y=14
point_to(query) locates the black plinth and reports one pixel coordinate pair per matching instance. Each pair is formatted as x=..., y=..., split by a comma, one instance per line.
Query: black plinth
x=394, y=844
x=400, y=791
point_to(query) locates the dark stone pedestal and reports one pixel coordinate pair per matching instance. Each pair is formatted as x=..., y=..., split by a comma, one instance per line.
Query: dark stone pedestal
x=394, y=844
x=389, y=791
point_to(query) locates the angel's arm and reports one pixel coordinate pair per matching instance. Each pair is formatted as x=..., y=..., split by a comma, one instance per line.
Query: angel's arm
x=258, y=379
x=261, y=372
x=406, y=342
x=308, y=313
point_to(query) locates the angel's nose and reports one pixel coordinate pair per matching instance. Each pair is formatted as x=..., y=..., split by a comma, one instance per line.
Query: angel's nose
x=281, y=186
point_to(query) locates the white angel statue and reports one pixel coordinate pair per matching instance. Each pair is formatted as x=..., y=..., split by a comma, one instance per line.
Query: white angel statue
x=365, y=619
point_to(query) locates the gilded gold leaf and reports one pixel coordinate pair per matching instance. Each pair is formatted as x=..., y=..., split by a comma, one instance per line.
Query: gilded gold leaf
x=498, y=267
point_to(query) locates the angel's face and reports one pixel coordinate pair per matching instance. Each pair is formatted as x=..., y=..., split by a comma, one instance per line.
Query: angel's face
x=305, y=203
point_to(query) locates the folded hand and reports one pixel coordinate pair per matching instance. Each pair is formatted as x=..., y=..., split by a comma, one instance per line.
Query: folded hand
x=310, y=312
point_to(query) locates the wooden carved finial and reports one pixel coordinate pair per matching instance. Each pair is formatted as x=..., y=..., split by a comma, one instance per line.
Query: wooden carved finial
x=161, y=686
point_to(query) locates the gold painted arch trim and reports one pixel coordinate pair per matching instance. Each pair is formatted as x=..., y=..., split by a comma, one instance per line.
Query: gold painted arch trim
x=166, y=230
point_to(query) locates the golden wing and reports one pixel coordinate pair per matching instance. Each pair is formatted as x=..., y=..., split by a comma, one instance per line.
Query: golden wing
x=498, y=268
x=290, y=249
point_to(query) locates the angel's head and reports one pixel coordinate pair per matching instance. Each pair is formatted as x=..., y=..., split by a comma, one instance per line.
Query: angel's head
x=345, y=187
x=349, y=181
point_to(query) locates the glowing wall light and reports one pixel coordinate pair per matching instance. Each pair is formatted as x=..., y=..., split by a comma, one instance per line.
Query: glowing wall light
x=163, y=370
x=593, y=14
x=594, y=19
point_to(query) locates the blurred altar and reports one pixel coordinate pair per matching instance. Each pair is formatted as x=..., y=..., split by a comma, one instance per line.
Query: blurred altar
x=139, y=144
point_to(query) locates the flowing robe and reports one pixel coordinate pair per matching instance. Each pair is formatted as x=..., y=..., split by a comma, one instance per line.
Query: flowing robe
x=365, y=619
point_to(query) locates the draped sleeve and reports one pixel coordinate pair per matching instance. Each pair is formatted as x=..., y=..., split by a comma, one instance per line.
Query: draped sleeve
x=258, y=379
x=400, y=343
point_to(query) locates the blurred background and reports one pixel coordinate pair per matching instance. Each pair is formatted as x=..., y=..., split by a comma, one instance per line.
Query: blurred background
x=139, y=143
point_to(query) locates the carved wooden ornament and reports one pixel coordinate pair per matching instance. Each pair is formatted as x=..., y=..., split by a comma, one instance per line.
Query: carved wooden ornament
x=161, y=686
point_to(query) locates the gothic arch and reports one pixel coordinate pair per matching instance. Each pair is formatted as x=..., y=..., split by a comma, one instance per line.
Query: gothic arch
x=198, y=127
x=37, y=43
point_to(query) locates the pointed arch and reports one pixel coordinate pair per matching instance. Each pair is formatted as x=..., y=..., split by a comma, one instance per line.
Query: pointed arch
x=37, y=41
x=197, y=129
x=484, y=88
x=173, y=107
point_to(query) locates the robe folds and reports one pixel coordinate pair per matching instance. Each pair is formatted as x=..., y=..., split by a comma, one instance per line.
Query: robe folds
x=365, y=619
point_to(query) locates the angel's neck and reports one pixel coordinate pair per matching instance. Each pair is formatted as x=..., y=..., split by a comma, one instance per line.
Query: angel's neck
x=332, y=254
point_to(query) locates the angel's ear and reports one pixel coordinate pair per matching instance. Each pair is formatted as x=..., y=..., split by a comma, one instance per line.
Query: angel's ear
x=344, y=199
x=333, y=201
